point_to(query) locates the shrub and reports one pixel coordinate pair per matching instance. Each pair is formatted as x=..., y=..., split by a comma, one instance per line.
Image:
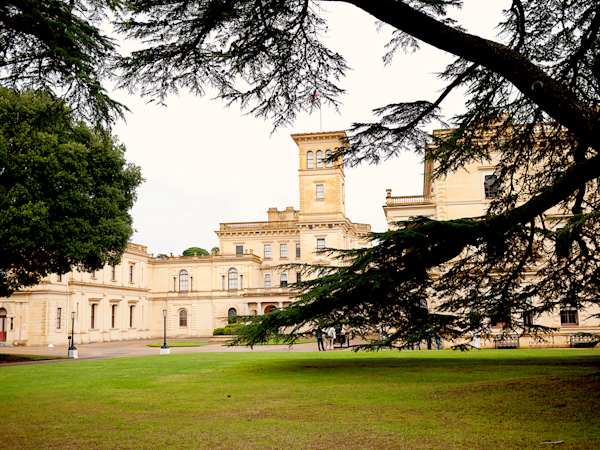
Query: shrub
x=228, y=330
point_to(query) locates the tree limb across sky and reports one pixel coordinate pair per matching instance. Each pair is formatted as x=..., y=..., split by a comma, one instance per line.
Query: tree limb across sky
x=532, y=101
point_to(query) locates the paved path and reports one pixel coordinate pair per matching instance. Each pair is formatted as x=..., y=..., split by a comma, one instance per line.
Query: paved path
x=124, y=349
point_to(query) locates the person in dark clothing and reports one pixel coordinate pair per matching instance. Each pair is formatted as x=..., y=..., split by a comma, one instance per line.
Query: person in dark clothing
x=320, y=344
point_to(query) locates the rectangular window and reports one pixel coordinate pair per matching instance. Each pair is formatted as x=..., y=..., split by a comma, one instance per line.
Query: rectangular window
x=223, y=282
x=563, y=244
x=320, y=191
x=93, y=318
x=267, y=280
x=131, y=273
x=283, y=250
x=241, y=281
x=239, y=249
x=490, y=186
x=113, y=273
x=12, y=323
x=283, y=281
x=191, y=283
x=58, y=278
x=58, y=318
x=297, y=250
x=320, y=243
x=174, y=284
x=113, y=316
x=267, y=250
x=93, y=274
x=569, y=316
x=131, y=310
x=298, y=277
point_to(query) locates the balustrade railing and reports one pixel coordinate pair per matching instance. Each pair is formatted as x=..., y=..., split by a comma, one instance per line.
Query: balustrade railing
x=409, y=200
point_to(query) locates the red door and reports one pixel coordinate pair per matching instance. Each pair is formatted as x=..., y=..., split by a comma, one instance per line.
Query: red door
x=2, y=328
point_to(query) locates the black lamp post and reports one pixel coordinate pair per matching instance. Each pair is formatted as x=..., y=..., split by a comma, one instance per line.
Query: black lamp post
x=165, y=350
x=72, y=348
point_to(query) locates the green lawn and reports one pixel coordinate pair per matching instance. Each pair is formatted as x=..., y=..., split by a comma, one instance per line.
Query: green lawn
x=506, y=399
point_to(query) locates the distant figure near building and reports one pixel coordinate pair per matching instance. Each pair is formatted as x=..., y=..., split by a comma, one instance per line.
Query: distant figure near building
x=320, y=344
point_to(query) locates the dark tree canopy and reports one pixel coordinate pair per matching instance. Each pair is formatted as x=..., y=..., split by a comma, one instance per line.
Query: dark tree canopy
x=194, y=251
x=65, y=191
x=57, y=46
x=269, y=56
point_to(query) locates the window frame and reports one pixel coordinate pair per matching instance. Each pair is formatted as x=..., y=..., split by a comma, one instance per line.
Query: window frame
x=283, y=279
x=320, y=243
x=328, y=154
x=183, y=318
x=267, y=280
x=283, y=251
x=232, y=279
x=184, y=279
x=319, y=159
x=298, y=251
x=131, y=314
x=267, y=251
x=310, y=162
x=58, y=318
x=320, y=192
x=113, y=316
x=490, y=189
x=569, y=312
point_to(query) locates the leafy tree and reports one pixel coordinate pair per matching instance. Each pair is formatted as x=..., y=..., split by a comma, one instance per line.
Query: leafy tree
x=57, y=46
x=194, y=250
x=543, y=69
x=65, y=191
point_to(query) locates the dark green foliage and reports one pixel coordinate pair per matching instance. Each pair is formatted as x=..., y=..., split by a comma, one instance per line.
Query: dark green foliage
x=57, y=46
x=229, y=330
x=194, y=250
x=65, y=191
x=270, y=56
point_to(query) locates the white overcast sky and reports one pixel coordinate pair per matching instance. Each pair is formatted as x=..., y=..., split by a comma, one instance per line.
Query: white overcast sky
x=205, y=164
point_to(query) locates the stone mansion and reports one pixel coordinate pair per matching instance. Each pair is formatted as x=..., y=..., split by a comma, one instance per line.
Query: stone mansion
x=199, y=292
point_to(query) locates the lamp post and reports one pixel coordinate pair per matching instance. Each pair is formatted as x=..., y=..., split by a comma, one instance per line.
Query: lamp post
x=72, y=349
x=165, y=350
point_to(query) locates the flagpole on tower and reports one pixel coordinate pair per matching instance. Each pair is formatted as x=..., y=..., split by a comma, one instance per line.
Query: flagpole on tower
x=314, y=97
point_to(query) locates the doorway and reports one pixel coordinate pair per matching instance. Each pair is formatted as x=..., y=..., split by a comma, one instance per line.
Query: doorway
x=3, y=325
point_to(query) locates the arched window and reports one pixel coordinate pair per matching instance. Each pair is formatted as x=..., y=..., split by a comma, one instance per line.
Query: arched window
x=182, y=318
x=232, y=312
x=328, y=162
x=309, y=161
x=233, y=277
x=270, y=308
x=319, y=159
x=183, y=280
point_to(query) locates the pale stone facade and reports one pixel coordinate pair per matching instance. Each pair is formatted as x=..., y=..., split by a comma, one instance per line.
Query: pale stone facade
x=198, y=292
x=462, y=194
